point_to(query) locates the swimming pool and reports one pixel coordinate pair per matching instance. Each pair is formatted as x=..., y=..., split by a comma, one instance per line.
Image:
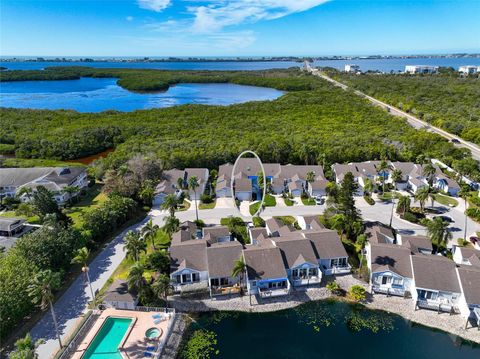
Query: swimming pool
x=106, y=341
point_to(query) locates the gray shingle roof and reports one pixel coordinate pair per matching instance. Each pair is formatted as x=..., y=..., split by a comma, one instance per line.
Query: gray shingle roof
x=193, y=251
x=264, y=263
x=327, y=244
x=118, y=292
x=415, y=243
x=221, y=258
x=292, y=249
x=470, y=280
x=391, y=257
x=435, y=272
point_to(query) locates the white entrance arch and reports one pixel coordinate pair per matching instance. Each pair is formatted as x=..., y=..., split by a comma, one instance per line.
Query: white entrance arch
x=232, y=176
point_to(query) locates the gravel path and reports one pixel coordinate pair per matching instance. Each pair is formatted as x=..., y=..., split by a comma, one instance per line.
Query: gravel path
x=454, y=324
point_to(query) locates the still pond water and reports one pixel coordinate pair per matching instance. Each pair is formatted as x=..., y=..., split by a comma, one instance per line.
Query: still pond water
x=332, y=330
x=95, y=95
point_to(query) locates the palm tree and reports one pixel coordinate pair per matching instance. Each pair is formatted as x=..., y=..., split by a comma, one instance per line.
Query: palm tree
x=438, y=232
x=172, y=224
x=134, y=245
x=431, y=195
x=193, y=185
x=162, y=286
x=310, y=178
x=368, y=186
x=40, y=291
x=403, y=205
x=464, y=193
x=396, y=176
x=180, y=183
x=429, y=171
x=149, y=232
x=135, y=280
x=81, y=257
x=71, y=191
x=382, y=168
x=238, y=270
x=421, y=196
x=27, y=191
x=25, y=348
x=170, y=203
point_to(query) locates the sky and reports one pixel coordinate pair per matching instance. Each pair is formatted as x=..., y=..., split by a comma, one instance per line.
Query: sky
x=237, y=27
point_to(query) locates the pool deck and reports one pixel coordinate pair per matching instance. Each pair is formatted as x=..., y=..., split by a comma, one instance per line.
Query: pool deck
x=134, y=344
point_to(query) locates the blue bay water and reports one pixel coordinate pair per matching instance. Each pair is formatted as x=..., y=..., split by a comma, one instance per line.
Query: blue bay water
x=385, y=65
x=95, y=95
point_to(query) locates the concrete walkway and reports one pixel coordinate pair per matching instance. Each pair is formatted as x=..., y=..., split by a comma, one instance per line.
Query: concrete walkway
x=71, y=306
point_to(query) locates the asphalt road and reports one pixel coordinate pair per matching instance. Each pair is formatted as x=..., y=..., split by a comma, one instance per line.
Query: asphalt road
x=412, y=120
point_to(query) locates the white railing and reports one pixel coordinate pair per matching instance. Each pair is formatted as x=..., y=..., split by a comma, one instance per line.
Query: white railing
x=306, y=281
x=338, y=270
x=269, y=293
x=444, y=305
x=388, y=290
x=163, y=341
x=78, y=337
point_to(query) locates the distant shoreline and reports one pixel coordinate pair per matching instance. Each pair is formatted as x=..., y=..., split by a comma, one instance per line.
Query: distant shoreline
x=227, y=59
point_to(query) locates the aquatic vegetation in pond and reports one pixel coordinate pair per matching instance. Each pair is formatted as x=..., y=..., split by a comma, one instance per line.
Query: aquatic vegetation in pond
x=201, y=345
x=368, y=320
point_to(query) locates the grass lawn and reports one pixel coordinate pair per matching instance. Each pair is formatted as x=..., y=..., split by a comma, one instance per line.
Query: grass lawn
x=288, y=202
x=387, y=196
x=445, y=200
x=184, y=206
x=254, y=207
x=32, y=219
x=207, y=205
x=270, y=201
x=287, y=220
x=94, y=198
x=308, y=201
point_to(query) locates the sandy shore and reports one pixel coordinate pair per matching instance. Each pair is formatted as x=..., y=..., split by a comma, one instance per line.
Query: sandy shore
x=454, y=324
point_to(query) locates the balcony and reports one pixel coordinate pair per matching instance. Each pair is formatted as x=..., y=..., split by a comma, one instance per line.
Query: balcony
x=297, y=281
x=440, y=305
x=400, y=291
x=225, y=290
x=338, y=270
x=270, y=292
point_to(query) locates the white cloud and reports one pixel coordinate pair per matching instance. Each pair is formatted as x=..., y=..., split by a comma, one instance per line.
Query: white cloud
x=129, y=18
x=218, y=14
x=155, y=5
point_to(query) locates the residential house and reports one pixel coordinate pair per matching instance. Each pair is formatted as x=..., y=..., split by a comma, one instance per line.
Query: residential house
x=469, y=280
x=435, y=283
x=390, y=269
x=281, y=178
x=217, y=234
x=221, y=258
x=310, y=222
x=188, y=266
x=350, y=68
x=299, y=260
x=466, y=256
x=266, y=273
x=318, y=188
x=329, y=250
x=55, y=179
x=447, y=185
x=377, y=233
x=174, y=181
x=11, y=227
x=416, y=244
x=469, y=70
x=119, y=297
x=421, y=69
x=255, y=232
x=273, y=226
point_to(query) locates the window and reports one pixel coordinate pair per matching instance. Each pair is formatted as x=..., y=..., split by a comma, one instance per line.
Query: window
x=178, y=279
x=223, y=281
x=186, y=278
x=313, y=272
x=398, y=281
x=384, y=280
x=214, y=282
x=254, y=283
x=195, y=277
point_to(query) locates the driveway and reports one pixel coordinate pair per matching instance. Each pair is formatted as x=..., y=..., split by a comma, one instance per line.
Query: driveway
x=70, y=307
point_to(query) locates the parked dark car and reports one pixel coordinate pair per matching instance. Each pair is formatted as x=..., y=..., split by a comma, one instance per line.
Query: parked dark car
x=454, y=140
x=445, y=218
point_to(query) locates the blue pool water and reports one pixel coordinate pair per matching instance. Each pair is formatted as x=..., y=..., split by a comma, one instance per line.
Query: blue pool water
x=101, y=94
x=106, y=342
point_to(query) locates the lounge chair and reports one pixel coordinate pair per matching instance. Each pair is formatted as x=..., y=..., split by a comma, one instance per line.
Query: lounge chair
x=151, y=349
x=158, y=315
x=147, y=354
x=159, y=320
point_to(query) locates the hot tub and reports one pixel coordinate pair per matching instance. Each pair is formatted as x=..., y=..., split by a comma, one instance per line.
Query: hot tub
x=153, y=333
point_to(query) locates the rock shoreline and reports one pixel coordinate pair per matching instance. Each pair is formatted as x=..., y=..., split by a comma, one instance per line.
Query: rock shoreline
x=453, y=324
